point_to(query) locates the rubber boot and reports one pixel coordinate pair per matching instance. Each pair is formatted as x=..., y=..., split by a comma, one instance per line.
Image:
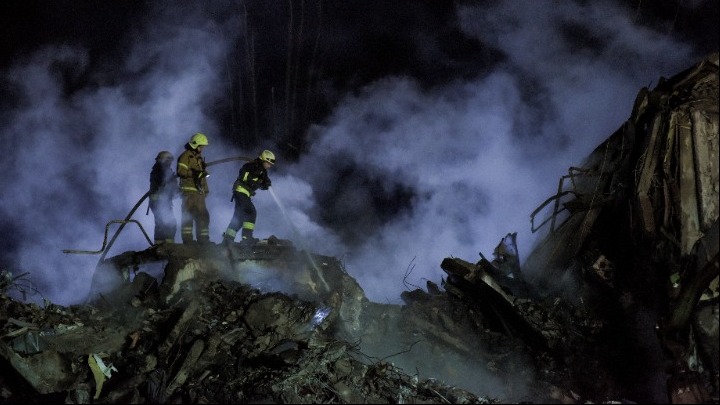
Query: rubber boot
x=249, y=241
x=247, y=238
x=228, y=240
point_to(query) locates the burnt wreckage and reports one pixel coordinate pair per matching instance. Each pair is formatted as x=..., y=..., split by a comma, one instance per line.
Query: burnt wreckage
x=617, y=302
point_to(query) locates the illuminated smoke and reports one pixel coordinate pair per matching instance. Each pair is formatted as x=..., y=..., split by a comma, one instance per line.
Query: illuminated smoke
x=400, y=175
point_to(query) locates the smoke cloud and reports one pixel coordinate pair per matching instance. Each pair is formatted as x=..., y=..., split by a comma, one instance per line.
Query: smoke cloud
x=472, y=159
x=399, y=176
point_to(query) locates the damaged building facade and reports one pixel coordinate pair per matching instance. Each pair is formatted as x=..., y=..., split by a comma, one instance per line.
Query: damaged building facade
x=639, y=222
x=617, y=302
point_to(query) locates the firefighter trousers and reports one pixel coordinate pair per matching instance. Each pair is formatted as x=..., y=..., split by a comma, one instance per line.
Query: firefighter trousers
x=165, y=222
x=243, y=217
x=195, y=213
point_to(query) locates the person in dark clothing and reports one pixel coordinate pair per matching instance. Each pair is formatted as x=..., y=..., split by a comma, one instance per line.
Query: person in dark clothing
x=253, y=175
x=163, y=188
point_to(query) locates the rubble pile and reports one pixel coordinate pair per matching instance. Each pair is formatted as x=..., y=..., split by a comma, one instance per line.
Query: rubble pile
x=216, y=342
x=558, y=350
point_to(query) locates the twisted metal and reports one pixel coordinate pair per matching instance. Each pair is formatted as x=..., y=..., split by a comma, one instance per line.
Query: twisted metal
x=107, y=226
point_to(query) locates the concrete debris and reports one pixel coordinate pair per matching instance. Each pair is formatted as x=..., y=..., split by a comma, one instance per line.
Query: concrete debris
x=219, y=342
x=618, y=303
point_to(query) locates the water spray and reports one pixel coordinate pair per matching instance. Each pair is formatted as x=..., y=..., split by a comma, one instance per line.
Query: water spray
x=298, y=238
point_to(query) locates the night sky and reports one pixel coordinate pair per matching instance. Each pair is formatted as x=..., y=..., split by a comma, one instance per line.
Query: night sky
x=405, y=131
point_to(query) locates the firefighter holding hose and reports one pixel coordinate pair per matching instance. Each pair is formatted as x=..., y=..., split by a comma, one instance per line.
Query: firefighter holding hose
x=253, y=175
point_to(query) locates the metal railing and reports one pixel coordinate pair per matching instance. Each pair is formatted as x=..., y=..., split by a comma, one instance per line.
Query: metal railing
x=573, y=172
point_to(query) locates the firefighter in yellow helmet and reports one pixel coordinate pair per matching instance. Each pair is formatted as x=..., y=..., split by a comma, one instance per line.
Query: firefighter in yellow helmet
x=253, y=175
x=192, y=171
x=163, y=188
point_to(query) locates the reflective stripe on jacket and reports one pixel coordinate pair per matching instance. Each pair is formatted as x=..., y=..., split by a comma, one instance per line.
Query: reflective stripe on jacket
x=189, y=165
x=252, y=176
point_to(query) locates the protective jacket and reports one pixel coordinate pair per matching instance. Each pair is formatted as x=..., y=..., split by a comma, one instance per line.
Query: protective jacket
x=192, y=171
x=163, y=183
x=252, y=176
x=163, y=188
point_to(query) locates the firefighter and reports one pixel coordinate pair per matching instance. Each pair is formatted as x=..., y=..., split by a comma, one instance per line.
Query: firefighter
x=192, y=171
x=163, y=188
x=253, y=175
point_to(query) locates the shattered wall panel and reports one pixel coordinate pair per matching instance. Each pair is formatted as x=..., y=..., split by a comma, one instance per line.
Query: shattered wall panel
x=688, y=193
x=705, y=129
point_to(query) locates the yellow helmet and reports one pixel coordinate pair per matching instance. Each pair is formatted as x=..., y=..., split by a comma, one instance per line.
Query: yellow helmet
x=267, y=156
x=198, y=140
x=164, y=157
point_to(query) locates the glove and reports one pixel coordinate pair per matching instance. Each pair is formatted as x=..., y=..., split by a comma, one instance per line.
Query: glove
x=202, y=174
x=266, y=184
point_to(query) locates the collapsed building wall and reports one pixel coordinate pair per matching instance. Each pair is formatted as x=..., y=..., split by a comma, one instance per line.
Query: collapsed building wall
x=639, y=218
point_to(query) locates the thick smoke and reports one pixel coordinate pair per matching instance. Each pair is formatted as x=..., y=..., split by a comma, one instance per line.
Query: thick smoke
x=398, y=177
x=79, y=158
x=476, y=157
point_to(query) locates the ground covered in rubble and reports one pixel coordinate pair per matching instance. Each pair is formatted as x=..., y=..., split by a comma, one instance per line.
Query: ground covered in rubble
x=217, y=342
x=199, y=334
